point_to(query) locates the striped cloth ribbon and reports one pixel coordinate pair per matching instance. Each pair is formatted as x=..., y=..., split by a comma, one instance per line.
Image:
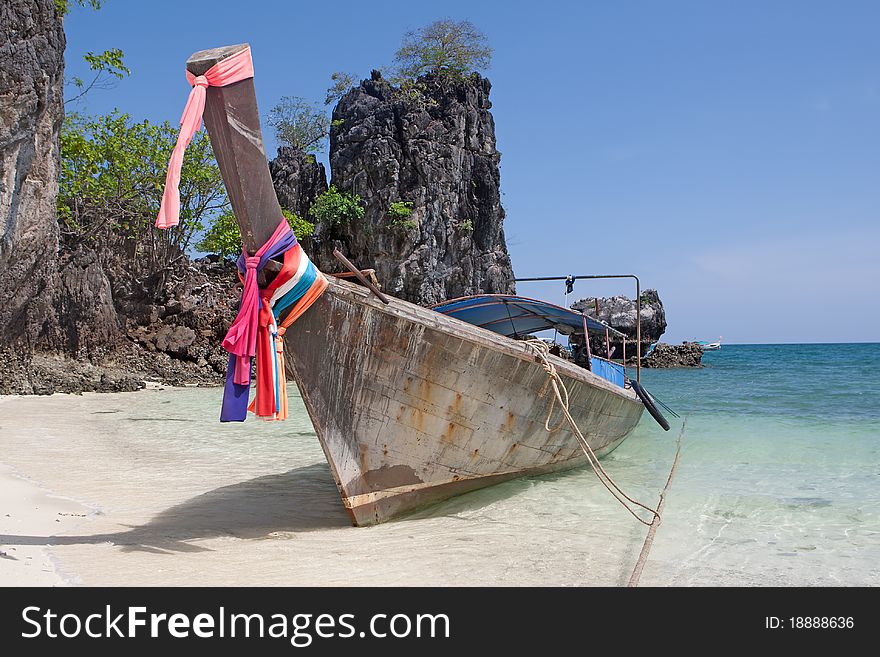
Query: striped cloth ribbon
x=257, y=332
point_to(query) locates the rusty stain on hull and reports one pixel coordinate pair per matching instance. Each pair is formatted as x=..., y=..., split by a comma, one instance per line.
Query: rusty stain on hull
x=413, y=407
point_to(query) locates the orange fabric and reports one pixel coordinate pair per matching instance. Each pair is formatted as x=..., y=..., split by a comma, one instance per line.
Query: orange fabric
x=298, y=309
x=282, y=380
x=265, y=394
x=263, y=404
x=308, y=299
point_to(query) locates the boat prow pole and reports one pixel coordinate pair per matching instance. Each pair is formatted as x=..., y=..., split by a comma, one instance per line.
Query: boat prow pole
x=233, y=122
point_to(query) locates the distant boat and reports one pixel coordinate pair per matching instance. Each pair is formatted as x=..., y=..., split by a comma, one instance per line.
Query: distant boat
x=710, y=346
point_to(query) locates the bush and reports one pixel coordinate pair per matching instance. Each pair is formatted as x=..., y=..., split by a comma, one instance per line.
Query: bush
x=301, y=227
x=336, y=208
x=111, y=182
x=223, y=236
x=399, y=214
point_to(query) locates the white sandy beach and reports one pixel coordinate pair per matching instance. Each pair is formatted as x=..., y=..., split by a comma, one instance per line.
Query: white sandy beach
x=148, y=488
x=91, y=496
x=29, y=510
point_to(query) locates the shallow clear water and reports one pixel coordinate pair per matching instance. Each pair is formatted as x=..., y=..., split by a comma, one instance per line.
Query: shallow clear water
x=780, y=474
x=778, y=484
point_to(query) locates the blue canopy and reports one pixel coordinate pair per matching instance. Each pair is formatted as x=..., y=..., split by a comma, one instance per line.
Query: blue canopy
x=512, y=315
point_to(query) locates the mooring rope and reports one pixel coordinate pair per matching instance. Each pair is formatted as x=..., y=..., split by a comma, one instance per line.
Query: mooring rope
x=652, y=530
x=560, y=391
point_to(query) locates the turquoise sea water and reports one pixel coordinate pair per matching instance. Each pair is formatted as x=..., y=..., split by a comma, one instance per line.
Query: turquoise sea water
x=780, y=475
x=778, y=484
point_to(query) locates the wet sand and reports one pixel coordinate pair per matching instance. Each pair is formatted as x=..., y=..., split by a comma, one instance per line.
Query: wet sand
x=107, y=490
x=29, y=510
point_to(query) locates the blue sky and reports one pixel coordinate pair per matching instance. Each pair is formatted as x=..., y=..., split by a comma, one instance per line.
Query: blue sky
x=726, y=152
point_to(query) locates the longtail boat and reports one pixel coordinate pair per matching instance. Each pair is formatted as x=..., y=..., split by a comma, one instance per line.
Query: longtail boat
x=410, y=404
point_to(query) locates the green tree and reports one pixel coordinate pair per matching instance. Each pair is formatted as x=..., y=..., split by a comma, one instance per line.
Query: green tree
x=444, y=46
x=109, y=67
x=299, y=123
x=111, y=183
x=335, y=208
x=342, y=82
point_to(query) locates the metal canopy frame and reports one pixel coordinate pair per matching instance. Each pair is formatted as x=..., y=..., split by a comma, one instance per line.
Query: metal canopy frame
x=572, y=279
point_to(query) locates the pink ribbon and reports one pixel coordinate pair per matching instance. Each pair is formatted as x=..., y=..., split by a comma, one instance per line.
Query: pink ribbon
x=241, y=339
x=234, y=68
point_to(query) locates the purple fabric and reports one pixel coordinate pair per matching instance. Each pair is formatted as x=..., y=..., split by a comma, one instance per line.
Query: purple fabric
x=235, y=396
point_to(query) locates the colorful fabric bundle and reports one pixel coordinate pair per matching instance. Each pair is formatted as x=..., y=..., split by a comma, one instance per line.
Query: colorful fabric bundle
x=256, y=333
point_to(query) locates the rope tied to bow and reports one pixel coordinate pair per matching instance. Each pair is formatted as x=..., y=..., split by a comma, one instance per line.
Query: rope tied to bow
x=561, y=398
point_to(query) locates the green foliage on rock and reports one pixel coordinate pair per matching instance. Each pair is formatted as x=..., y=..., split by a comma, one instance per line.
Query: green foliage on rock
x=335, y=208
x=302, y=228
x=63, y=6
x=443, y=47
x=399, y=214
x=112, y=178
x=299, y=123
x=414, y=92
x=342, y=82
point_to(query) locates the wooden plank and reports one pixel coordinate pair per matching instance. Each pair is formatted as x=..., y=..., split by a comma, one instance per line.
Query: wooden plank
x=401, y=427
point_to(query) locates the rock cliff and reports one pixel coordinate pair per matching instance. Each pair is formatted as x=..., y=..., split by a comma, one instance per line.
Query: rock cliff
x=31, y=110
x=619, y=312
x=430, y=144
x=86, y=302
x=298, y=179
x=174, y=339
x=686, y=354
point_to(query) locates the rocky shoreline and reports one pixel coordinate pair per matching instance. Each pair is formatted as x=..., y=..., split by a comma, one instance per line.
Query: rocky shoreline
x=177, y=342
x=686, y=354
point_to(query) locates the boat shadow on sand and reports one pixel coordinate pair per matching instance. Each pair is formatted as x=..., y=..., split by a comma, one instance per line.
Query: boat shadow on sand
x=300, y=500
x=270, y=507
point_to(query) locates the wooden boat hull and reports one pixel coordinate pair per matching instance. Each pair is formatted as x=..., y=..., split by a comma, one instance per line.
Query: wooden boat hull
x=412, y=407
